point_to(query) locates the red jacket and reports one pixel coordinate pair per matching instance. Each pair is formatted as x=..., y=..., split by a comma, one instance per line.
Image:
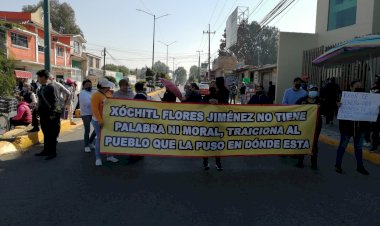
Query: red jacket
x=23, y=113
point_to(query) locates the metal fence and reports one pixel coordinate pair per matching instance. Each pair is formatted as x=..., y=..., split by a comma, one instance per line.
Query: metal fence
x=344, y=74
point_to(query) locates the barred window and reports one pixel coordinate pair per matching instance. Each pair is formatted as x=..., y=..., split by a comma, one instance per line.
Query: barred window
x=19, y=40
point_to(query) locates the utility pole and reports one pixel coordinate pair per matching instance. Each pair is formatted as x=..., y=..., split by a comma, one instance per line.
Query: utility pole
x=47, y=34
x=154, y=36
x=104, y=61
x=199, y=64
x=209, y=50
x=167, y=54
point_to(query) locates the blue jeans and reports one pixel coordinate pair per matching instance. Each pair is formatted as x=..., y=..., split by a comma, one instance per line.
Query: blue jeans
x=87, y=128
x=358, y=145
x=96, y=126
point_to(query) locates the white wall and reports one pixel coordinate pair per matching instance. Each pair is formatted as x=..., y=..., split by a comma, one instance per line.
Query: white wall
x=363, y=26
x=289, y=60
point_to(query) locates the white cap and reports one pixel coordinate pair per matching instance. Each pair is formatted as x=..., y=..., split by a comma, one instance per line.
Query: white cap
x=104, y=83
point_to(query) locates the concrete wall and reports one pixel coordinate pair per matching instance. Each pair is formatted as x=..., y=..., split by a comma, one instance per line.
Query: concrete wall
x=289, y=61
x=376, y=18
x=364, y=22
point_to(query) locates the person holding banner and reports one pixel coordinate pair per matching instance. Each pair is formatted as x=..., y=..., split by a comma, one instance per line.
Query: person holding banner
x=292, y=95
x=376, y=125
x=125, y=91
x=312, y=98
x=353, y=129
x=260, y=97
x=97, y=102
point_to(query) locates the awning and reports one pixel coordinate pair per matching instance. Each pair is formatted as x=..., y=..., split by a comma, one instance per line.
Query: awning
x=23, y=74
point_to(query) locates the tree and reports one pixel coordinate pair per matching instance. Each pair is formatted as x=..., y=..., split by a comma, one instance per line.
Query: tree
x=255, y=45
x=117, y=68
x=160, y=67
x=193, y=74
x=180, y=75
x=149, y=74
x=7, y=78
x=62, y=16
x=223, y=43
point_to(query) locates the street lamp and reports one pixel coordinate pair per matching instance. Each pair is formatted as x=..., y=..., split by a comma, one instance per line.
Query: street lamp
x=167, y=54
x=154, y=33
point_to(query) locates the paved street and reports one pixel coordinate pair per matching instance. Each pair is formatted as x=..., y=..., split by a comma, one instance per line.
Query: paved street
x=70, y=190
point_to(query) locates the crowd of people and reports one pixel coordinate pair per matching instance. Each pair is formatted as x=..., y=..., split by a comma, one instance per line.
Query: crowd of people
x=53, y=98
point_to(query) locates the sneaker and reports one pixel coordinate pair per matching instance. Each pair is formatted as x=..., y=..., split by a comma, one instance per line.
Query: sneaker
x=206, y=167
x=338, y=169
x=300, y=165
x=367, y=144
x=87, y=149
x=98, y=162
x=219, y=167
x=112, y=159
x=362, y=170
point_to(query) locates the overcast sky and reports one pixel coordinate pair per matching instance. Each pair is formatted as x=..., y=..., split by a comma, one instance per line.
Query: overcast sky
x=128, y=33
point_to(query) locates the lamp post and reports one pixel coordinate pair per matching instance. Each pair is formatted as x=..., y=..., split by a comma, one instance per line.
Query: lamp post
x=154, y=35
x=167, y=54
x=47, y=34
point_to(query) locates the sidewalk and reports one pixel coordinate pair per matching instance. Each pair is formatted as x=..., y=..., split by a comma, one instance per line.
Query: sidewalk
x=330, y=135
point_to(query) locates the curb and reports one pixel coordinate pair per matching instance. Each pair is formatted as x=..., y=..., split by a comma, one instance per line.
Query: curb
x=156, y=92
x=371, y=157
x=22, y=143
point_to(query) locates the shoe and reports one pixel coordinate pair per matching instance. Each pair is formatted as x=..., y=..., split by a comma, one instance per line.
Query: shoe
x=33, y=130
x=206, y=166
x=42, y=153
x=87, y=149
x=112, y=159
x=373, y=149
x=91, y=146
x=219, y=167
x=98, y=162
x=362, y=170
x=50, y=157
x=367, y=144
x=300, y=165
x=338, y=169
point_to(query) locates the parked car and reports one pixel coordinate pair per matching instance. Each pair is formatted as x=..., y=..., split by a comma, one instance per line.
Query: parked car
x=204, y=88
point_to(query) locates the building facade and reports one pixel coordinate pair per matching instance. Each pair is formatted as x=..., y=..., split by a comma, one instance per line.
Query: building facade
x=337, y=21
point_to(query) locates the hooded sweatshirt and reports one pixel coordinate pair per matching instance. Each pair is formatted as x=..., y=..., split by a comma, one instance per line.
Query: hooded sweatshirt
x=23, y=113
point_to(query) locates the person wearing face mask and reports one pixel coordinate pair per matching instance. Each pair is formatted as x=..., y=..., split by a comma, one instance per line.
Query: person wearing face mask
x=330, y=96
x=97, y=103
x=86, y=114
x=195, y=96
x=31, y=99
x=376, y=125
x=292, y=95
x=312, y=98
x=353, y=129
x=260, y=97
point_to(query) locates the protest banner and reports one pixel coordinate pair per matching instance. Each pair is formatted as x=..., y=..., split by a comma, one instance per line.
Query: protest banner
x=200, y=130
x=357, y=106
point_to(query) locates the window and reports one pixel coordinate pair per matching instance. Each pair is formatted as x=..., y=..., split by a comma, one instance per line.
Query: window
x=19, y=40
x=41, y=48
x=342, y=13
x=90, y=61
x=97, y=63
x=60, y=51
x=76, y=47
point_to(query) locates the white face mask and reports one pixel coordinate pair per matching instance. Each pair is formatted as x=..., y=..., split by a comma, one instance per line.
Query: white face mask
x=313, y=94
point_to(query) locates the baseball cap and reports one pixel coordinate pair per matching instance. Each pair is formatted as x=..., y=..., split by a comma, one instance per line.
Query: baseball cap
x=103, y=82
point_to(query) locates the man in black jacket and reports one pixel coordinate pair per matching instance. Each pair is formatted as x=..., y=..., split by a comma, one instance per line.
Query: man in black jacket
x=49, y=110
x=376, y=125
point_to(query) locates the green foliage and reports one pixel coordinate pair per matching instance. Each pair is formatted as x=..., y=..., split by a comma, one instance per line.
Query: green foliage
x=194, y=74
x=254, y=47
x=62, y=16
x=7, y=78
x=160, y=67
x=117, y=68
x=149, y=74
x=180, y=75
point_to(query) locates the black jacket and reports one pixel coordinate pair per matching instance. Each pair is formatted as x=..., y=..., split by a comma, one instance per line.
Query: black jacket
x=262, y=99
x=352, y=128
x=194, y=97
x=48, y=100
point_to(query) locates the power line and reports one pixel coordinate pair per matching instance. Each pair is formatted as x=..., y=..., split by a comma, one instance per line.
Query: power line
x=213, y=11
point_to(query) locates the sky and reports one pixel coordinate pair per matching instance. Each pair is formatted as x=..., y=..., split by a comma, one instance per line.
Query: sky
x=128, y=34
